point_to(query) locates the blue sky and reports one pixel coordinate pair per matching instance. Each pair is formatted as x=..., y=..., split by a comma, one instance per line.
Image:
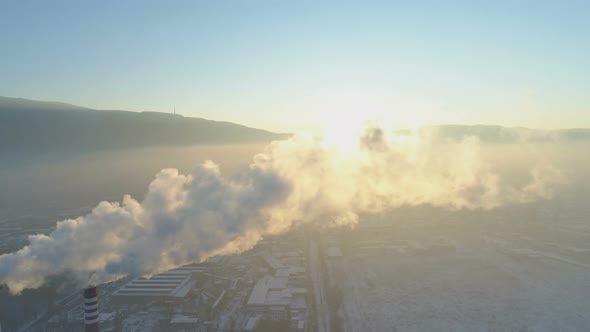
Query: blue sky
x=297, y=65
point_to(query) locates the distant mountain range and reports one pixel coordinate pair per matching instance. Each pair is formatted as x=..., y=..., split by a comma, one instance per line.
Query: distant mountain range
x=28, y=126
x=500, y=134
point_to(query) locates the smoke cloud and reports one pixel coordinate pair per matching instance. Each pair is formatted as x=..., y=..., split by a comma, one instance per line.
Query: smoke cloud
x=187, y=218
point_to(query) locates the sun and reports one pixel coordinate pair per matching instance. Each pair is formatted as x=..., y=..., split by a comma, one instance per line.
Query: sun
x=343, y=133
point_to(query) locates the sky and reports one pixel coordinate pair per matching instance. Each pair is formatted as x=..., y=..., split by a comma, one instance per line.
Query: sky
x=295, y=66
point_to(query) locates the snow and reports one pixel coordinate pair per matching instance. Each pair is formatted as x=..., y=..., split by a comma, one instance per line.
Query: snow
x=462, y=292
x=251, y=324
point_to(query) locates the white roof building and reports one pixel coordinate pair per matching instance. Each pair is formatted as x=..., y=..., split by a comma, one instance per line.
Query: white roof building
x=273, y=297
x=175, y=283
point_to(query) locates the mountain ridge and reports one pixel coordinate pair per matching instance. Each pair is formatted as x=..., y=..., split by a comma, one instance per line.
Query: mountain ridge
x=39, y=127
x=502, y=134
x=28, y=126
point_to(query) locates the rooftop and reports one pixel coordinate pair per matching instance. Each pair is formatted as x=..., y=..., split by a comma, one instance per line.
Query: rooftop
x=181, y=319
x=273, y=291
x=173, y=283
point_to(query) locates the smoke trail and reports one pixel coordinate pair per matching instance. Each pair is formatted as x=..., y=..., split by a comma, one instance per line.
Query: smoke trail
x=185, y=218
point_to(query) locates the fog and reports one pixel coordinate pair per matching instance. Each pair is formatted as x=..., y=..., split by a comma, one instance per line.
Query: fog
x=36, y=195
x=55, y=186
x=40, y=191
x=41, y=186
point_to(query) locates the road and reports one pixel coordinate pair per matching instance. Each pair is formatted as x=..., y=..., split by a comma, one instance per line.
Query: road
x=323, y=323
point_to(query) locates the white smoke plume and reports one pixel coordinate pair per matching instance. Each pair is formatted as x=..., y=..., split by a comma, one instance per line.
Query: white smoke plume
x=186, y=218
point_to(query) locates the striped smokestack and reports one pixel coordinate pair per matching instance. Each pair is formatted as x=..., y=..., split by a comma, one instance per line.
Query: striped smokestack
x=91, y=309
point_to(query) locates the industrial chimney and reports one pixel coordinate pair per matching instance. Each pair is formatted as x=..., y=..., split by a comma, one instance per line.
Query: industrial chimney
x=91, y=309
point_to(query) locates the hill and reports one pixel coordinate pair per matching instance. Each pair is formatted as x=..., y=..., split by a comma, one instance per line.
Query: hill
x=28, y=126
x=502, y=135
x=39, y=127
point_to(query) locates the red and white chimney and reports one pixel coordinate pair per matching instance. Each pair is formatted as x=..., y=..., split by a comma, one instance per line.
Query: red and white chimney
x=91, y=309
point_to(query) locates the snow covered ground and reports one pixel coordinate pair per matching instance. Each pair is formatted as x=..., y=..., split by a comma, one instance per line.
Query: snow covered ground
x=469, y=290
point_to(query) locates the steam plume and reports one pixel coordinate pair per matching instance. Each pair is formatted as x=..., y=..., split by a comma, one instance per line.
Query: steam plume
x=186, y=218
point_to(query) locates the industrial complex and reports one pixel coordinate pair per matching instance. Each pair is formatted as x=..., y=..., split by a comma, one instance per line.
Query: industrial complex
x=169, y=285
x=266, y=285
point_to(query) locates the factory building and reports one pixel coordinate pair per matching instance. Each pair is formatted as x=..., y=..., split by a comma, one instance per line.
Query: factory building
x=272, y=298
x=170, y=285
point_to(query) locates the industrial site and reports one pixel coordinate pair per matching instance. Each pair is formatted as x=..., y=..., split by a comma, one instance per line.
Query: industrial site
x=263, y=289
x=412, y=270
